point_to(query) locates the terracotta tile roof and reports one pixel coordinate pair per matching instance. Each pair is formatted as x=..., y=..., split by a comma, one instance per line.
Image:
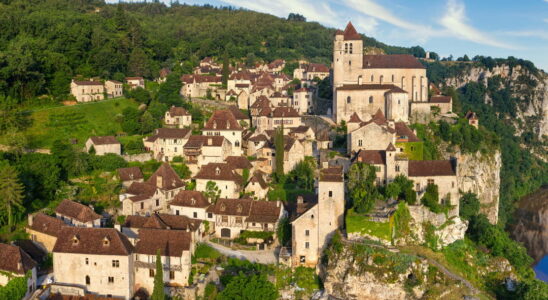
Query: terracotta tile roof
x=232, y=207
x=258, y=178
x=199, y=141
x=378, y=118
x=261, y=102
x=359, y=87
x=77, y=211
x=14, y=260
x=162, y=221
x=435, y=90
x=169, y=178
x=318, y=68
x=114, y=81
x=88, y=82
x=440, y=99
x=85, y=297
x=175, y=111
x=172, y=133
x=96, y=241
x=390, y=147
x=258, y=138
x=240, y=76
x=242, y=85
x=296, y=209
x=164, y=72
x=191, y=78
x=218, y=171
x=46, y=224
x=285, y=112
x=288, y=142
x=300, y=129
x=141, y=190
x=231, y=93
x=354, y=118
x=239, y=162
x=104, y=140
x=276, y=63
x=422, y=168
x=169, y=242
x=265, y=211
x=332, y=174
x=37, y=253
x=134, y=78
x=392, y=61
x=238, y=114
x=131, y=173
x=373, y=157
x=190, y=199
x=350, y=33
x=403, y=131
x=222, y=120
x=302, y=90
x=470, y=115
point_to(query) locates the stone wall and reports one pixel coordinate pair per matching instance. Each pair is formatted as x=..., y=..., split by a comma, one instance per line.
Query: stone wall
x=141, y=157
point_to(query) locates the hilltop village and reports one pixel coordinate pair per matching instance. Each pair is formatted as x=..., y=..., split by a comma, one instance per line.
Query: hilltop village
x=270, y=179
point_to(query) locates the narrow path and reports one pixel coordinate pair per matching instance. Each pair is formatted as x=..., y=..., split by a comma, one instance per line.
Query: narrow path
x=451, y=275
x=260, y=256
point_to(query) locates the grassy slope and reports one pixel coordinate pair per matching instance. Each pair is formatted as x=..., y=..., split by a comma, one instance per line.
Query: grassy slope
x=96, y=118
x=361, y=224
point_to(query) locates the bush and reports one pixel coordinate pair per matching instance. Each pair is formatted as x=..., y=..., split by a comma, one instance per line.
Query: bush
x=469, y=206
x=108, y=162
x=206, y=251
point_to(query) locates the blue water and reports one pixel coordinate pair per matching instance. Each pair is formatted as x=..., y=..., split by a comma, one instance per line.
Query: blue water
x=541, y=269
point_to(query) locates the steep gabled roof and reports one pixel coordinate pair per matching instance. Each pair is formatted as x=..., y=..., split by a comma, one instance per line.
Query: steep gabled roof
x=218, y=171
x=190, y=199
x=169, y=242
x=318, y=68
x=96, y=241
x=169, y=178
x=222, y=120
x=403, y=131
x=372, y=157
x=14, y=260
x=162, y=221
x=423, y=168
x=198, y=141
x=354, y=118
x=175, y=111
x=171, y=133
x=332, y=174
x=77, y=211
x=46, y=224
x=350, y=33
x=285, y=112
x=131, y=173
x=258, y=178
x=238, y=162
x=238, y=114
x=104, y=140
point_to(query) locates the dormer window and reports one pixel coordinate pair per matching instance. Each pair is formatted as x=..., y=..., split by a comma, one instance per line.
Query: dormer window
x=106, y=241
x=75, y=240
x=192, y=201
x=239, y=208
x=217, y=171
x=223, y=207
x=214, y=124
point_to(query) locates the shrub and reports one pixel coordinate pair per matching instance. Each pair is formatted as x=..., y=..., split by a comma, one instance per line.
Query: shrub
x=469, y=206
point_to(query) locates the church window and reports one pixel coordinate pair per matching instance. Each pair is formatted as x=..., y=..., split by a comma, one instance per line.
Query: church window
x=397, y=168
x=372, y=78
x=350, y=48
x=345, y=48
x=392, y=77
x=382, y=78
x=88, y=281
x=348, y=99
x=370, y=99
x=360, y=143
x=307, y=245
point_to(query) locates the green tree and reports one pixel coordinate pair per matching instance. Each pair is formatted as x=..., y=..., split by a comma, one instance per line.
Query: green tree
x=212, y=192
x=130, y=123
x=431, y=198
x=363, y=192
x=245, y=287
x=284, y=231
x=469, y=205
x=279, y=146
x=11, y=193
x=138, y=63
x=148, y=124
x=158, y=292
x=170, y=89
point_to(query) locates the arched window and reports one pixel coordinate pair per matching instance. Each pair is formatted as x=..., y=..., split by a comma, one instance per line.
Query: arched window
x=350, y=48
x=348, y=99
x=370, y=99
x=392, y=77
x=372, y=78
x=237, y=143
x=382, y=78
x=88, y=281
x=349, y=62
x=345, y=48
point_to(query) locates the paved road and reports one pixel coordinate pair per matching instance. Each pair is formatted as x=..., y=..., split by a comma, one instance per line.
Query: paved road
x=262, y=256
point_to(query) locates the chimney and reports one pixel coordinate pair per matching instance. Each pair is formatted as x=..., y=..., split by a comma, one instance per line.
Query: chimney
x=19, y=265
x=30, y=218
x=300, y=200
x=159, y=181
x=277, y=203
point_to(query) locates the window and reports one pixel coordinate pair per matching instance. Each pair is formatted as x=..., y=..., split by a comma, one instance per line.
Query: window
x=330, y=194
x=238, y=220
x=87, y=261
x=377, y=168
x=195, y=215
x=88, y=281
x=360, y=143
x=349, y=62
x=307, y=232
x=453, y=184
x=142, y=205
x=171, y=275
x=392, y=77
x=302, y=259
x=397, y=168
x=350, y=48
x=157, y=202
x=345, y=48
x=307, y=245
x=150, y=272
x=430, y=181
x=224, y=219
x=370, y=99
x=177, y=212
x=372, y=78
x=382, y=78
x=175, y=149
x=237, y=143
x=348, y=99
x=115, y=263
x=210, y=215
x=110, y=279
x=311, y=216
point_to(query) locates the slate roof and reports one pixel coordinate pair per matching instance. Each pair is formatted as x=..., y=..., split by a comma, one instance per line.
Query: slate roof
x=222, y=120
x=14, y=260
x=391, y=61
x=169, y=242
x=190, y=199
x=131, y=173
x=104, y=140
x=218, y=171
x=96, y=241
x=77, y=211
x=422, y=168
x=46, y=224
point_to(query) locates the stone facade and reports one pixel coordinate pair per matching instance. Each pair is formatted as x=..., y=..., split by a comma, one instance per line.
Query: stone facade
x=167, y=143
x=87, y=91
x=114, y=88
x=104, y=145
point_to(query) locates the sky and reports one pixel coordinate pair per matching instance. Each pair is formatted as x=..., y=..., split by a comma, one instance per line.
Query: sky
x=497, y=28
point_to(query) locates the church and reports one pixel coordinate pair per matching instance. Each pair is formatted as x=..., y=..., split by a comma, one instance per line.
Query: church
x=364, y=84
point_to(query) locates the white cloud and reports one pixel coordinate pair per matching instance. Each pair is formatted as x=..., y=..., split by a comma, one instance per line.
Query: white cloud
x=456, y=22
x=529, y=33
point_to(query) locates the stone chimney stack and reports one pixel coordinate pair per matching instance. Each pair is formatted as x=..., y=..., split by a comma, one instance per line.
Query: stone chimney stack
x=30, y=219
x=300, y=200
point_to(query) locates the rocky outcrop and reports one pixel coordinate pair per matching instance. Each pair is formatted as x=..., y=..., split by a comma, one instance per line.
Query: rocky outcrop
x=531, y=226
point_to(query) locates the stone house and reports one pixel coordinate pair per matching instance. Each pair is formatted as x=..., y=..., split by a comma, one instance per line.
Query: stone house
x=472, y=119
x=313, y=222
x=272, y=118
x=177, y=117
x=279, y=99
x=129, y=175
x=276, y=66
x=114, y=88
x=256, y=142
x=134, y=224
x=224, y=123
x=44, y=230
x=97, y=259
x=87, y=91
x=257, y=186
x=200, y=150
x=76, y=214
x=223, y=175
x=313, y=71
x=233, y=216
x=242, y=118
x=294, y=152
x=197, y=86
x=239, y=164
x=176, y=248
x=104, y=145
x=14, y=262
x=167, y=143
x=257, y=92
x=355, y=76
x=192, y=204
x=135, y=82
x=302, y=100
x=153, y=195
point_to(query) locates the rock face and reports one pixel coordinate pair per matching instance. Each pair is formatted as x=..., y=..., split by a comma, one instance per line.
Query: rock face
x=532, y=109
x=480, y=174
x=447, y=229
x=531, y=226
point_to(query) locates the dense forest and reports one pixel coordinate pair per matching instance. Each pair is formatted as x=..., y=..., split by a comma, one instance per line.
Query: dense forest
x=45, y=43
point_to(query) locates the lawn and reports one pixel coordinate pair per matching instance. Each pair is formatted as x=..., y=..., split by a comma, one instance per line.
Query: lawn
x=75, y=122
x=361, y=224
